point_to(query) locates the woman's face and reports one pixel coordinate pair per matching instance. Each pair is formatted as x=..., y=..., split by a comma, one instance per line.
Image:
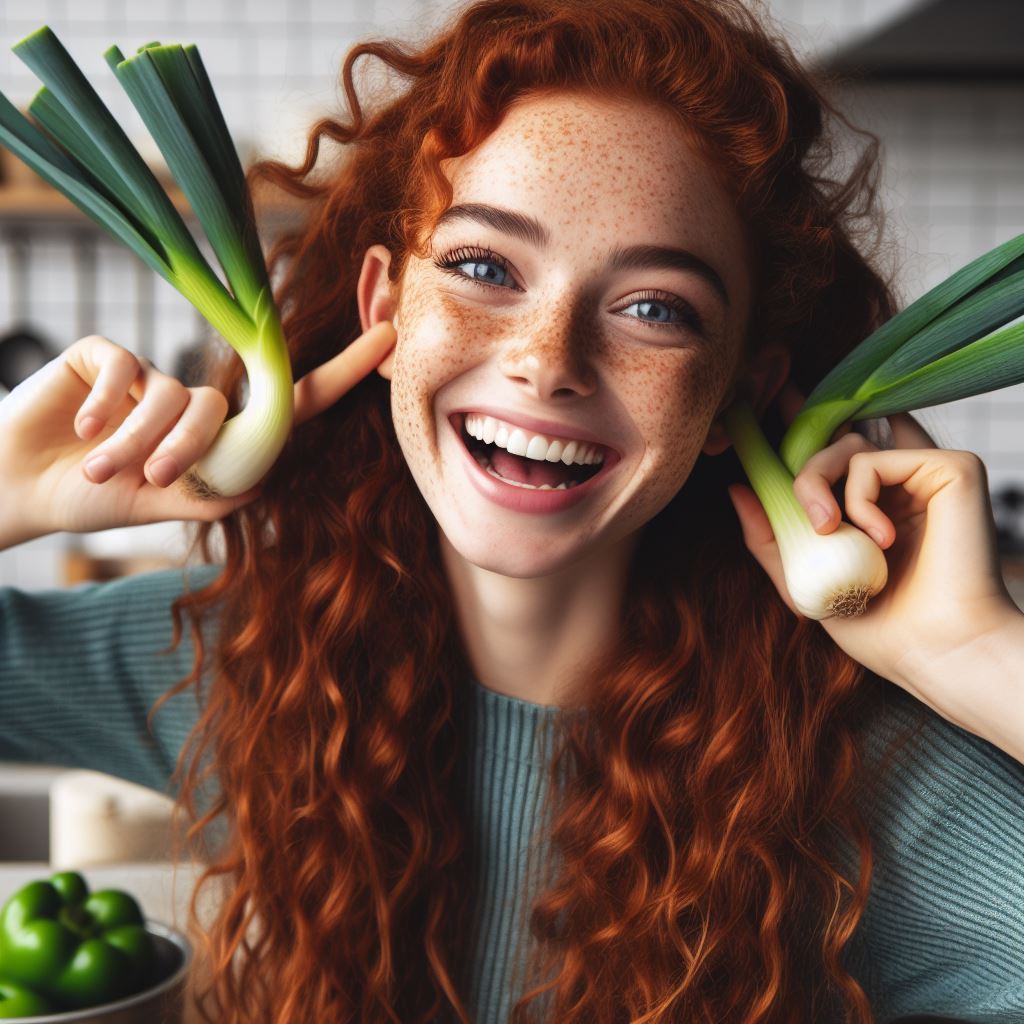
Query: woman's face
x=543, y=314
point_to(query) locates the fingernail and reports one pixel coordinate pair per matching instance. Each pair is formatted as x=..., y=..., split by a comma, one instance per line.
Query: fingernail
x=818, y=515
x=89, y=426
x=877, y=536
x=162, y=471
x=99, y=468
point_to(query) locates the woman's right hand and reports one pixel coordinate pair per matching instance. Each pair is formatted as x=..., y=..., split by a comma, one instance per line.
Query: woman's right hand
x=97, y=405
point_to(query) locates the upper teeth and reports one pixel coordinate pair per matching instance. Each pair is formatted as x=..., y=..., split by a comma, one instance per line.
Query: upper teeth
x=532, y=446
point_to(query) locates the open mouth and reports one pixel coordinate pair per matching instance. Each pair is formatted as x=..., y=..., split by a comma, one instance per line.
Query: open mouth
x=518, y=469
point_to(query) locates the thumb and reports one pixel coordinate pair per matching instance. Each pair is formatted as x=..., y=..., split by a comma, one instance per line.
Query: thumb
x=759, y=537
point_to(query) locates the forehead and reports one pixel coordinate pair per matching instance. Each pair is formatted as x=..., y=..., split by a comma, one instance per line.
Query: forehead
x=598, y=159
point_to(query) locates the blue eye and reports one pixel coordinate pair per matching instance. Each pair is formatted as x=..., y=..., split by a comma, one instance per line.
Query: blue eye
x=479, y=259
x=685, y=314
x=489, y=265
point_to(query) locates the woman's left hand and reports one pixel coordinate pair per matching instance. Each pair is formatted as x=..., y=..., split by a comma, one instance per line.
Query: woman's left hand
x=928, y=508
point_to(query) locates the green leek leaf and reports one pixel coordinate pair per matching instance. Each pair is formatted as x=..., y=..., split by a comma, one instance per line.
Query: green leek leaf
x=92, y=162
x=224, y=156
x=161, y=85
x=843, y=380
x=951, y=317
x=988, y=364
x=191, y=276
x=973, y=317
x=19, y=130
x=44, y=54
x=19, y=135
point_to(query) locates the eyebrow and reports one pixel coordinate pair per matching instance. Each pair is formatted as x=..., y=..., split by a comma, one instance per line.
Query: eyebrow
x=632, y=257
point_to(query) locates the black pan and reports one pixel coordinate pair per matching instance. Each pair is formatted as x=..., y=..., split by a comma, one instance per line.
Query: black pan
x=22, y=353
x=23, y=349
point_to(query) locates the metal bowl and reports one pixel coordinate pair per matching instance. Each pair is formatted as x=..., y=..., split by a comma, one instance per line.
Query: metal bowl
x=162, y=1003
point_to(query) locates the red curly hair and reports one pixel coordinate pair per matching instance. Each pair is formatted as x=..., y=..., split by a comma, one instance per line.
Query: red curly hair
x=692, y=870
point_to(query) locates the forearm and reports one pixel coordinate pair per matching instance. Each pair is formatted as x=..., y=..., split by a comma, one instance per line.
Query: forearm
x=981, y=685
x=14, y=532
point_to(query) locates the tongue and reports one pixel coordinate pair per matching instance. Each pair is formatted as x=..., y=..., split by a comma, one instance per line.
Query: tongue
x=529, y=471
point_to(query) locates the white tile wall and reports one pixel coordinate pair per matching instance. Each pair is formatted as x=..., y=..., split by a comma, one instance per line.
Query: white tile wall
x=954, y=186
x=953, y=180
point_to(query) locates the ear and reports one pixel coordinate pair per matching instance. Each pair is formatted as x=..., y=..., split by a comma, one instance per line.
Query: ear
x=762, y=380
x=377, y=297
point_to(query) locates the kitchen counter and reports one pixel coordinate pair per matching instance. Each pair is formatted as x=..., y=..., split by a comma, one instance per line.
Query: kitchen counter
x=151, y=883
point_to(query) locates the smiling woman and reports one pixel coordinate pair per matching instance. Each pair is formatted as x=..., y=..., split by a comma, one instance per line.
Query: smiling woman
x=508, y=725
x=596, y=224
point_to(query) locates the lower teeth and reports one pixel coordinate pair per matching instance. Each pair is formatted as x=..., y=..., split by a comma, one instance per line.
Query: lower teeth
x=482, y=461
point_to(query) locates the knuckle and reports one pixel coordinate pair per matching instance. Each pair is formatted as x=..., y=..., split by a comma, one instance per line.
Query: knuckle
x=862, y=442
x=126, y=359
x=966, y=459
x=211, y=396
x=970, y=464
x=90, y=340
x=125, y=355
x=856, y=444
x=803, y=485
x=170, y=389
x=102, y=397
x=812, y=464
x=186, y=437
x=820, y=464
x=133, y=433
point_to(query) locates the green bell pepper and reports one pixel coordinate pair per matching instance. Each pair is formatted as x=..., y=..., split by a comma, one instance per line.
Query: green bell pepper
x=73, y=948
x=20, y=1001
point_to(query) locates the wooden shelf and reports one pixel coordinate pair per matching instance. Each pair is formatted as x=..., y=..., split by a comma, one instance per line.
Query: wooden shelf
x=24, y=196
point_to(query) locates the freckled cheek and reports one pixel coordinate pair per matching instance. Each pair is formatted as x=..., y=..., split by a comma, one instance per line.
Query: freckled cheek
x=437, y=342
x=675, y=406
x=443, y=339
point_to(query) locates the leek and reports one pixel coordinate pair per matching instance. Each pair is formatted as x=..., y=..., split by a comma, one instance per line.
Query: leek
x=83, y=153
x=962, y=338
x=826, y=574
x=979, y=297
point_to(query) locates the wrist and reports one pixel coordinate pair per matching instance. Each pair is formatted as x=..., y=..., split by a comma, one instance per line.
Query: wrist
x=14, y=532
x=979, y=686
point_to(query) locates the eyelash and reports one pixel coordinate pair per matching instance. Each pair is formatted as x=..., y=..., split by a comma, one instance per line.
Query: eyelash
x=449, y=261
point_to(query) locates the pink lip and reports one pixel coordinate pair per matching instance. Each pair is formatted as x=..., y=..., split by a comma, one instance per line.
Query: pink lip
x=520, y=499
x=536, y=426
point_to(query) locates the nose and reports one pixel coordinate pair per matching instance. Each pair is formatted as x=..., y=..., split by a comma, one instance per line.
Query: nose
x=550, y=359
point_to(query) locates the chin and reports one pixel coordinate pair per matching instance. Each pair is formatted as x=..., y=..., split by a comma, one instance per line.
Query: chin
x=506, y=556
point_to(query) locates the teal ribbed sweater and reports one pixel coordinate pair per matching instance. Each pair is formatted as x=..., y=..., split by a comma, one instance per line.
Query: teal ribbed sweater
x=944, y=928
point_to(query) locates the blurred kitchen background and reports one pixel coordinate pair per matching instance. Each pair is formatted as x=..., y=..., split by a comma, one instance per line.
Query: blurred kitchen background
x=940, y=81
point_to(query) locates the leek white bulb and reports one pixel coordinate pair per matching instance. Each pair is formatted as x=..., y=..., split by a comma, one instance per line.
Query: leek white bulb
x=249, y=443
x=833, y=573
x=826, y=574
